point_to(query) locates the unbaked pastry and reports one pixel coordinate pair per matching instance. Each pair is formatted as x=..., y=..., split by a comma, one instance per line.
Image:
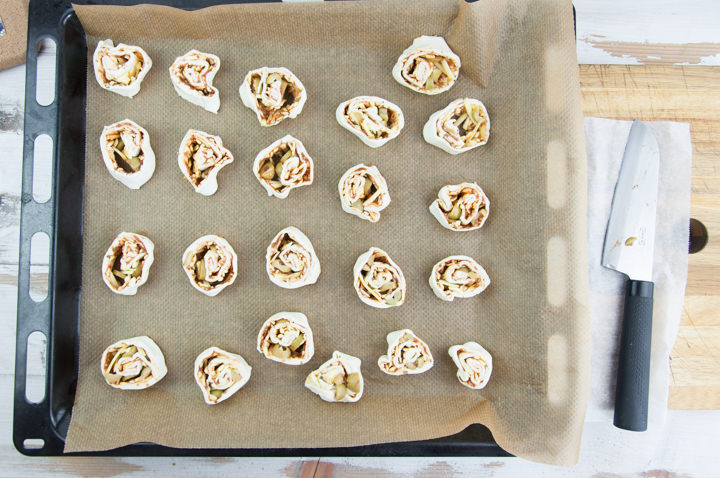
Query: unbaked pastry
x=127, y=153
x=192, y=76
x=372, y=119
x=363, y=192
x=201, y=157
x=458, y=276
x=337, y=380
x=273, y=94
x=286, y=337
x=461, y=126
x=427, y=66
x=120, y=68
x=378, y=281
x=220, y=374
x=133, y=364
x=210, y=263
x=406, y=354
x=290, y=260
x=474, y=364
x=126, y=264
x=461, y=207
x=284, y=165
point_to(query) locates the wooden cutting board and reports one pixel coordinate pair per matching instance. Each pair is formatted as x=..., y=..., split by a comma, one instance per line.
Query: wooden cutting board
x=690, y=94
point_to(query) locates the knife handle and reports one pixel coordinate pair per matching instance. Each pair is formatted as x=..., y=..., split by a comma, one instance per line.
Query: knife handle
x=633, y=375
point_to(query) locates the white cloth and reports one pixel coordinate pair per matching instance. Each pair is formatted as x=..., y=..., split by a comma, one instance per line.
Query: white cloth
x=605, y=146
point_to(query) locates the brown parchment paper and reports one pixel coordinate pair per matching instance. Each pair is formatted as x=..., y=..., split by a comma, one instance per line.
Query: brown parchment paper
x=532, y=318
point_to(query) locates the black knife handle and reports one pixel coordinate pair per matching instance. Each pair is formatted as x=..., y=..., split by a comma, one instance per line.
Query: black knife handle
x=633, y=375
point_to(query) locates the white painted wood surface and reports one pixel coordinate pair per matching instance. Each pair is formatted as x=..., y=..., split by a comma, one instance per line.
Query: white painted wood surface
x=612, y=31
x=648, y=31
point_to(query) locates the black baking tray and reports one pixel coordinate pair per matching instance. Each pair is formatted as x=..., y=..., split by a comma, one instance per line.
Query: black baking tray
x=61, y=218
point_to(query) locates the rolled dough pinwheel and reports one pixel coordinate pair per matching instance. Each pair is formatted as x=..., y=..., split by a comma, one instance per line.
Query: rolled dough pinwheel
x=427, y=66
x=127, y=153
x=273, y=94
x=210, y=263
x=337, y=380
x=120, y=68
x=126, y=264
x=133, y=364
x=372, y=119
x=291, y=261
x=192, y=76
x=363, y=192
x=458, y=276
x=286, y=338
x=461, y=126
x=284, y=165
x=220, y=374
x=200, y=158
x=378, y=281
x=406, y=354
x=461, y=207
x=474, y=364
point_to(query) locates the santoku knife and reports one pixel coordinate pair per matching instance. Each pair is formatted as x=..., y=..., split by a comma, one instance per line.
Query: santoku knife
x=629, y=247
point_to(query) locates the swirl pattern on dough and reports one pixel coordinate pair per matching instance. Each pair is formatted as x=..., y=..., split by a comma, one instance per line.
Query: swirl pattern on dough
x=461, y=126
x=458, y=276
x=273, y=94
x=363, y=192
x=372, y=119
x=200, y=158
x=337, y=380
x=192, y=77
x=378, y=281
x=210, y=263
x=474, y=364
x=127, y=153
x=427, y=66
x=133, y=364
x=220, y=374
x=120, y=68
x=406, y=354
x=291, y=261
x=126, y=264
x=284, y=165
x=461, y=207
x=286, y=337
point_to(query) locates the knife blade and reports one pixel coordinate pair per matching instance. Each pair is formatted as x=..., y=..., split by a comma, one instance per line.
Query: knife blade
x=629, y=248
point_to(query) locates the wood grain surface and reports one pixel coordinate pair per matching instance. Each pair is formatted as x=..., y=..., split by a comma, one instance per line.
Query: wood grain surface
x=690, y=94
